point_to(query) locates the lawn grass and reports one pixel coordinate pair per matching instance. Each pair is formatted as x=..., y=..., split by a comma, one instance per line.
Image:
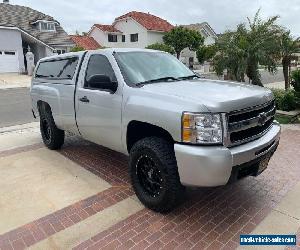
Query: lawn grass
x=282, y=119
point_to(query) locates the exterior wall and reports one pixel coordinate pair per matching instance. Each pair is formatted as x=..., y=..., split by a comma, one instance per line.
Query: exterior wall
x=11, y=40
x=102, y=38
x=128, y=27
x=209, y=40
x=39, y=51
x=57, y=47
x=155, y=37
x=48, y=51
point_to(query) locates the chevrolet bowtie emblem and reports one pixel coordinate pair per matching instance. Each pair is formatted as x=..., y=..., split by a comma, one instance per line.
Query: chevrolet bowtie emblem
x=262, y=118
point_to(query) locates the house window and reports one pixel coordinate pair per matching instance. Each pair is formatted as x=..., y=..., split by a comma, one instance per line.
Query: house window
x=112, y=38
x=134, y=37
x=60, y=51
x=123, y=38
x=47, y=26
x=9, y=53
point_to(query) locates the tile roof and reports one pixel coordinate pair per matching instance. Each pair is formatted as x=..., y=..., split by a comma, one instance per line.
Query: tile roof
x=150, y=22
x=86, y=42
x=24, y=17
x=108, y=28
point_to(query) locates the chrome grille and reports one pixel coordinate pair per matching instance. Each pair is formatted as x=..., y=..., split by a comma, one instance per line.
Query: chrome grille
x=250, y=124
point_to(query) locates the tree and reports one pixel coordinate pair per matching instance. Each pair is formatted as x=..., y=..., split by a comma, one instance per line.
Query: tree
x=180, y=38
x=76, y=49
x=243, y=50
x=262, y=46
x=161, y=47
x=205, y=53
x=231, y=55
x=288, y=46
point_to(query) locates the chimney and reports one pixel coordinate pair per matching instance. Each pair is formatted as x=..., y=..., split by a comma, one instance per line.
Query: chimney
x=5, y=1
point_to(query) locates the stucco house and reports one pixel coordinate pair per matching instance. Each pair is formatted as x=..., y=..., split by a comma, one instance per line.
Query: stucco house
x=132, y=30
x=210, y=36
x=22, y=27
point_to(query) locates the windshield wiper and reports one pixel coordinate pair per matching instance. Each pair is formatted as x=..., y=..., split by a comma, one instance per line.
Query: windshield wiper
x=188, y=77
x=162, y=79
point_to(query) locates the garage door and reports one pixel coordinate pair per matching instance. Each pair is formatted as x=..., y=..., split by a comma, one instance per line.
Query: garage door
x=9, y=61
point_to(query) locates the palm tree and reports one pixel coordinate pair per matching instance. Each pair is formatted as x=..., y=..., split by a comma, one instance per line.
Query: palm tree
x=288, y=47
x=262, y=46
x=243, y=50
x=231, y=54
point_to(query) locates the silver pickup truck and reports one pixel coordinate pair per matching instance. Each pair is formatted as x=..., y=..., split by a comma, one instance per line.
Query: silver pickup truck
x=178, y=129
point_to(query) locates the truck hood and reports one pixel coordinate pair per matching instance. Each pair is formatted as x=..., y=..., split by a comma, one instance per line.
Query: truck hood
x=217, y=96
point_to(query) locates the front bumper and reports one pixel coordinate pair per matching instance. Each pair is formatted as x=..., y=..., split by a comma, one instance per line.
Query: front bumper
x=208, y=166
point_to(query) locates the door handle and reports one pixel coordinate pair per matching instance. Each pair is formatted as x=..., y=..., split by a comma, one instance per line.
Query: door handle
x=84, y=99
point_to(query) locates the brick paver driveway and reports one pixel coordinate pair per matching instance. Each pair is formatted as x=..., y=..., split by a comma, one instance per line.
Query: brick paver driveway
x=211, y=217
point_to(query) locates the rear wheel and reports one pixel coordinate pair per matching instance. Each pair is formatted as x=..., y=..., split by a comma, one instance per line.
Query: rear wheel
x=154, y=174
x=52, y=137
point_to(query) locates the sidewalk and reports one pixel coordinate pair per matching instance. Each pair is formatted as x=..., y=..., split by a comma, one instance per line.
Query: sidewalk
x=275, y=85
x=283, y=219
x=14, y=80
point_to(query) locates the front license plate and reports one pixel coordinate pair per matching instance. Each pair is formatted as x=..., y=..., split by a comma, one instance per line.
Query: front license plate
x=263, y=164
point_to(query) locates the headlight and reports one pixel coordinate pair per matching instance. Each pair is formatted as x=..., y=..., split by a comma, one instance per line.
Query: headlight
x=202, y=128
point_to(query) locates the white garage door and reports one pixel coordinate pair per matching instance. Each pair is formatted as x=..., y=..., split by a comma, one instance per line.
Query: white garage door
x=9, y=61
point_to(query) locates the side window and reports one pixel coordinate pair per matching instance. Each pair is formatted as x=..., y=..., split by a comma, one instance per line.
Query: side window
x=112, y=38
x=134, y=37
x=99, y=65
x=57, y=69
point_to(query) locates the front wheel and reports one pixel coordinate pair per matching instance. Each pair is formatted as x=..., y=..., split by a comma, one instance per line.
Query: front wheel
x=154, y=174
x=52, y=137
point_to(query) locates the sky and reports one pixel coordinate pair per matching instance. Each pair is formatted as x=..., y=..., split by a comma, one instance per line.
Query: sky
x=80, y=15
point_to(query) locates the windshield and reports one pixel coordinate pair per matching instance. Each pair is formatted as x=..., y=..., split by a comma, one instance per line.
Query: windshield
x=139, y=67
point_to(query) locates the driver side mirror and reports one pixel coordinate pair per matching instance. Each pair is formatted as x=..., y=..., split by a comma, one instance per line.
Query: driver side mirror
x=102, y=82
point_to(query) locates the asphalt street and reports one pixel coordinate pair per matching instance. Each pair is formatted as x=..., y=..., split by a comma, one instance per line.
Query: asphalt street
x=15, y=107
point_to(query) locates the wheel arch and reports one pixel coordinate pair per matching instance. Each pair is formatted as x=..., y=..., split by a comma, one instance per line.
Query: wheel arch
x=137, y=130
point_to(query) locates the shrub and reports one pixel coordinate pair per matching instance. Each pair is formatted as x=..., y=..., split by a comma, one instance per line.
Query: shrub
x=76, y=49
x=161, y=47
x=296, y=80
x=206, y=53
x=285, y=99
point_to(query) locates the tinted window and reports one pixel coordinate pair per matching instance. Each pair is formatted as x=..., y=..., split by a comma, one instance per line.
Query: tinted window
x=99, y=65
x=58, y=69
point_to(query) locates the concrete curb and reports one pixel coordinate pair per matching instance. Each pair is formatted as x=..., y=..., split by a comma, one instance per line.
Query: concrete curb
x=13, y=86
x=26, y=126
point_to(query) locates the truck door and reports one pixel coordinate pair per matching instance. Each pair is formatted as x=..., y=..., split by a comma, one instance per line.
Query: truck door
x=98, y=111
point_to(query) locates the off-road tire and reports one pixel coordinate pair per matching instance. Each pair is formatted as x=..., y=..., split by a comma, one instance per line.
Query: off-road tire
x=52, y=137
x=162, y=154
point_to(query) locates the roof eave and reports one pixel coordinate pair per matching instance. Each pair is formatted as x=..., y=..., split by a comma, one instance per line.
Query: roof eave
x=27, y=34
